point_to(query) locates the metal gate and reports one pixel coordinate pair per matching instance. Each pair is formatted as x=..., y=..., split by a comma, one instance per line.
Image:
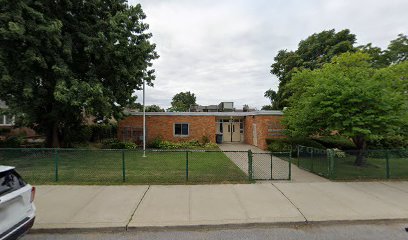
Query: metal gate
x=270, y=166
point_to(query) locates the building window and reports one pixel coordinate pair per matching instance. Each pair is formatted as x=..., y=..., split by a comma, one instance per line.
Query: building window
x=181, y=129
x=6, y=120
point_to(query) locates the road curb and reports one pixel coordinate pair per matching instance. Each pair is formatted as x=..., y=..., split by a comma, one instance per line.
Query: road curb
x=205, y=227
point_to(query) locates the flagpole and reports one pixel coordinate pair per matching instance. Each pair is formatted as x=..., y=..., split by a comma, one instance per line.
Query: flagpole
x=144, y=119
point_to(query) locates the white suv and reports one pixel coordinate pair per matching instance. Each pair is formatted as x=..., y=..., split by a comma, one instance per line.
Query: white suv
x=17, y=210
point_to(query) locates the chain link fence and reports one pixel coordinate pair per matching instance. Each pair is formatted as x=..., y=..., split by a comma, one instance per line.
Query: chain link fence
x=344, y=165
x=116, y=166
x=313, y=160
x=271, y=166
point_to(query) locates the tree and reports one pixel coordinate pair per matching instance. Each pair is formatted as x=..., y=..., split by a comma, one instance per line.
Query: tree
x=182, y=101
x=312, y=53
x=62, y=59
x=350, y=97
x=154, y=108
x=272, y=96
x=397, y=51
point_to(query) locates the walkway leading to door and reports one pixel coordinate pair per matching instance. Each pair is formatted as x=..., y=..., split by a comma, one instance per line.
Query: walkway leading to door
x=298, y=175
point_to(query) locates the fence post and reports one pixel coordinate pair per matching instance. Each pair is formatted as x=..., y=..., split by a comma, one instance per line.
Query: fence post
x=290, y=165
x=387, y=161
x=187, y=166
x=56, y=164
x=249, y=165
x=330, y=156
x=123, y=166
x=298, y=155
x=271, y=166
x=311, y=160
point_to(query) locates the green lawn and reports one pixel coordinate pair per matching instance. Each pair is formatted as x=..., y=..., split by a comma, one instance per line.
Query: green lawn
x=105, y=167
x=346, y=170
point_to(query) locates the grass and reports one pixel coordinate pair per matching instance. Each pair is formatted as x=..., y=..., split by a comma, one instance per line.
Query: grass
x=345, y=169
x=106, y=167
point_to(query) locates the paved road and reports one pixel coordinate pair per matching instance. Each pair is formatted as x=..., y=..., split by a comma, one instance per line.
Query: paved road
x=375, y=231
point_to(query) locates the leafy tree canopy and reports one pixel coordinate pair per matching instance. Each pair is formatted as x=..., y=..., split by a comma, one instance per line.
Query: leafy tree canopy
x=182, y=101
x=320, y=48
x=154, y=108
x=350, y=97
x=62, y=59
x=312, y=53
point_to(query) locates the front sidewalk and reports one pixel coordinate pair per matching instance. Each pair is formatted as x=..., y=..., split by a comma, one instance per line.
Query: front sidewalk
x=122, y=207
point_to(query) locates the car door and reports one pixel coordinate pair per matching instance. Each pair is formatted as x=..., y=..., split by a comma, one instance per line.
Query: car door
x=15, y=200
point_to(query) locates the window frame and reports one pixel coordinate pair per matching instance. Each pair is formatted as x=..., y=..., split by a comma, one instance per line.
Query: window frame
x=181, y=125
x=4, y=120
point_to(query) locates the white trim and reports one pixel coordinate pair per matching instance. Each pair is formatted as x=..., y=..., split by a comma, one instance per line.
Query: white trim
x=181, y=135
x=4, y=124
x=217, y=114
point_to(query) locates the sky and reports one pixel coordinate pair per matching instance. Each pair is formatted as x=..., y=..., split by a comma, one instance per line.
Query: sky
x=222, y=50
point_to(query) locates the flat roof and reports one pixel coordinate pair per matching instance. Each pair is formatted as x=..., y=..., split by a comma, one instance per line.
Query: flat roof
x=217, y=114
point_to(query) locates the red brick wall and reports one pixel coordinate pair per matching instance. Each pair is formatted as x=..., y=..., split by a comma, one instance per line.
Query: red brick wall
x=262, y=123
x=162, y=126
x=249, y=120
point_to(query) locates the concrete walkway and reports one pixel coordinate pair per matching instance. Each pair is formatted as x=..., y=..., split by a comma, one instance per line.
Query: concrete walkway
x=262, y=164
x=122, y=207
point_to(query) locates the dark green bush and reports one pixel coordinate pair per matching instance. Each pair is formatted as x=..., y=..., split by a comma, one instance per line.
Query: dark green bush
x=103, y=131
x=12, y=142
x=116, y=144
x=336, y=141
x=279, y=146
x=308, y=142
x=4, y=131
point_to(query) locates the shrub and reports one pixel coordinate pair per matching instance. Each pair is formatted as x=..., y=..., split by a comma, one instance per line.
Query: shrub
x=12, y=142
x=283, y=142
x=100, y=132
x=205, y=139
x=116, y=144
x=156, y=142
x=336, y=141
x=160, y=144
x=279, y=146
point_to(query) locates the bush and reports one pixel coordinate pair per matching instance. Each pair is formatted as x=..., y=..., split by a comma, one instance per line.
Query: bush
x=4, y=131
x=279, y=146
x=100, y=132
x=12, y=142
x=79, y=134
x=307, y=142
x=193, y=144
x=336, y=141
x=116, y=144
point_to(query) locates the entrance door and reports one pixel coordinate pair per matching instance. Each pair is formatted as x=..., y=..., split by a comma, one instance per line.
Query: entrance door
x=231, y=132
x=235, y=134
x=254, y=135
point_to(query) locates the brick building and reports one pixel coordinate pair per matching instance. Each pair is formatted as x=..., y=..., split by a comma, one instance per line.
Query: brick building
x=247, y=127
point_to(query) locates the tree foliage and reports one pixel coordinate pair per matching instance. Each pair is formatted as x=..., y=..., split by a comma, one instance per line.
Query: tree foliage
x=272, y=96
x=62, y=59
x=311, y=53
x=154, y=108
x=182, y=101
x=350, y=97
x=320, y=48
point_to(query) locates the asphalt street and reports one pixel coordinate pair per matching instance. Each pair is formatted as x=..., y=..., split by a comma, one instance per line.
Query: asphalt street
x=349, y=231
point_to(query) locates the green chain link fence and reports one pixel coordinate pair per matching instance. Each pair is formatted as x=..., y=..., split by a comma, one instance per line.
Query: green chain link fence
x=340, y=165
x=114, y=166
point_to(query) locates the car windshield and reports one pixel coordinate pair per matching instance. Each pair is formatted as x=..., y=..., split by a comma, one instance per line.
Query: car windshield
x=10, y=181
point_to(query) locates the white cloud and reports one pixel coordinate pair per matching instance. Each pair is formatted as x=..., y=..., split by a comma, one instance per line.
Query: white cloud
x=222, y=50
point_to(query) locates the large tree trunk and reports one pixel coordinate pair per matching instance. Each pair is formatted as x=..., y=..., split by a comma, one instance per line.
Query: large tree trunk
x=361, y=145
x=52, y=137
